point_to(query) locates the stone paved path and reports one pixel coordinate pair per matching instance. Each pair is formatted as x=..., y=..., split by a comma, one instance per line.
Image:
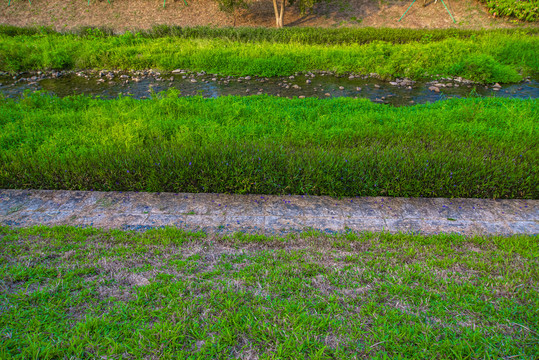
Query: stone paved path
x=267, y=214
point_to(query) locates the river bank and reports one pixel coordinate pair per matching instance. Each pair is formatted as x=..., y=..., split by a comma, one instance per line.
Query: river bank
x=485, y=57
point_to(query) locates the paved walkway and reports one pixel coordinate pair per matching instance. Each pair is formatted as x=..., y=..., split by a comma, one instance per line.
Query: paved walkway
x=267, y=214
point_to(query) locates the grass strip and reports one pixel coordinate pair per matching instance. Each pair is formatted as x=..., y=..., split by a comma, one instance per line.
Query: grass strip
x=167, y=293
x=301, y=35
x=471, y=148
x=485, y=57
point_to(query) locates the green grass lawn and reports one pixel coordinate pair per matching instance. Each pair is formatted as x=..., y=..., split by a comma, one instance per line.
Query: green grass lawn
x=85, y=293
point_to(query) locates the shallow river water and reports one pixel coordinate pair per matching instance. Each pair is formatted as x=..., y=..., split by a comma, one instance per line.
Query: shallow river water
x=141, y=84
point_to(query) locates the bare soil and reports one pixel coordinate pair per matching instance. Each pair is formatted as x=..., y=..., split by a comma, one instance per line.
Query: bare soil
x=122, y=15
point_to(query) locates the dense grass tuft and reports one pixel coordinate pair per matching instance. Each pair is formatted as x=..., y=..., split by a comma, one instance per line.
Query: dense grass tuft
x=478, y=148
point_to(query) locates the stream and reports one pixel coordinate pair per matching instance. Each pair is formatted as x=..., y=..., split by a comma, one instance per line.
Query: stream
x=142, y=84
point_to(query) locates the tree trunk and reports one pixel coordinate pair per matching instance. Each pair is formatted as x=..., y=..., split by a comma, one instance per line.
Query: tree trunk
x=276, y=10
x=279, y=15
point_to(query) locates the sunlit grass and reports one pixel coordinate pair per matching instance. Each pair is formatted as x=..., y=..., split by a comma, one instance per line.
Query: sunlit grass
x=482, y=56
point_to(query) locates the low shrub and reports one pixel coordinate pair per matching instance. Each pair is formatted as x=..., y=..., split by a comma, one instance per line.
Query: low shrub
x=526, y=10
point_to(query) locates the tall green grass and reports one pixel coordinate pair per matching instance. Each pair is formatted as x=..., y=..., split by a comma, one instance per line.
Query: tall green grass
x=482, y=148
x=488, y=57
x=321, y=36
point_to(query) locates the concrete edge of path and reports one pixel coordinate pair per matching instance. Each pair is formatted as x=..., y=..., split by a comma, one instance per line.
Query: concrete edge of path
x=267, y=214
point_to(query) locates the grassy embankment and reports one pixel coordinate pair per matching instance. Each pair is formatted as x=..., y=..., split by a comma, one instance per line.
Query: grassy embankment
x=482, y=148
x=485, y=56
x=87, y=293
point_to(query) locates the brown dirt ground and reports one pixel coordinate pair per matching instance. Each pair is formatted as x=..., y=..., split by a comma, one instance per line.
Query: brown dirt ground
x=122, y=15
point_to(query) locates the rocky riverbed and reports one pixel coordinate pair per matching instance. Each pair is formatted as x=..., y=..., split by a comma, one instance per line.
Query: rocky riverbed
x=142, y=84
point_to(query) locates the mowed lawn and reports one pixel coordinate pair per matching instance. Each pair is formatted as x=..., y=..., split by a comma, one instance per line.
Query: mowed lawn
x=69, y=292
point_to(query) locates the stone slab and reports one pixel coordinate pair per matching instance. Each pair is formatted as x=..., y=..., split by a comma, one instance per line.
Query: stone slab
x=370, y=224
x=267, y=214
